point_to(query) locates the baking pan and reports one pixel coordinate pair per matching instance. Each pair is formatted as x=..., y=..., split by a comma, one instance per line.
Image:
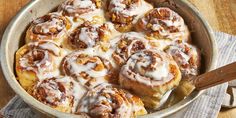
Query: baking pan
x=13, y=38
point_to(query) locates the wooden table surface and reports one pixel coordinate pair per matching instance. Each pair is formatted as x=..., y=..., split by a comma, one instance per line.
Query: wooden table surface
x=221, y=14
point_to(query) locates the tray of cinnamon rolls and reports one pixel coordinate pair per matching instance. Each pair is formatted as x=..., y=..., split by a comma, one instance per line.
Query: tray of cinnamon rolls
x=106, y=58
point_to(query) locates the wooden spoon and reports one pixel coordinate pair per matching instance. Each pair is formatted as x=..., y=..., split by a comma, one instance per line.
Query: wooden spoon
x=204, y=81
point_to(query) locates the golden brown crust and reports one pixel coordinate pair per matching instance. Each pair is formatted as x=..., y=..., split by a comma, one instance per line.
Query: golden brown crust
x=122, y=21
x=88, y=36
x=52, y=26
x=89, y=70
x=108, y=101
x=75, y=8
x=187, y=56
x=128, y=44
x=36, y=60
x=163, y=23
x=61, y=93
x=152, y=72
x=123, y=13
x=55, y=94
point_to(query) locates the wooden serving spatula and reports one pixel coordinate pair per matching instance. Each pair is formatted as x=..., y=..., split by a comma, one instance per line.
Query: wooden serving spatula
x=204, y=81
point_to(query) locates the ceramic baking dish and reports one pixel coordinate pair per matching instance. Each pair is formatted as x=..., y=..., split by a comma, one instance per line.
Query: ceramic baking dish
x=13, y=38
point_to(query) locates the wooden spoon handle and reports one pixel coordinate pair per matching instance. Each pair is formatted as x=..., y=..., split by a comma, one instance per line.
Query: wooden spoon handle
x=215, y=77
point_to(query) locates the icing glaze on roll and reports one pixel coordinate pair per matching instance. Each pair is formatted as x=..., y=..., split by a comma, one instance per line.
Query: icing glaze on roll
x=187, y=57
x=163, y=23
x=90, y=35
x=108, y=101
x=52, y=26
x=78, y=7
x=88, y=69
x=124, y=13
x=153, y=72
x=37, y=61
x=61, y=93
x=40, y=59
x=80, y=11
x=150, y=67
x=128, y=44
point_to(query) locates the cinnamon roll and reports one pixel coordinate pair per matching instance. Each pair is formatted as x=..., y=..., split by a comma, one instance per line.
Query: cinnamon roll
x=187, y=57
x=107, y=101
x=128, y=44
x=88, y=10
x=87, y=68
x=60, y=93
x=124, y=13
x=151, y=71
x=163, y=23
x=89, y=35
x=36, y=61
x=52, y=26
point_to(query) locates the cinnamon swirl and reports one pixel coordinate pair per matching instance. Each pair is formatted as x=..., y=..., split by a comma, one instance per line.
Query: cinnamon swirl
x=87, y=10
x=89, y=35
x=90, y=70
x=151, y=71
x=124, y=13
x=52, y=26
x=60, y=93
x=128, y=44
x=187, y=57
x=36, y=61
x=107, y=101
x=163, y=23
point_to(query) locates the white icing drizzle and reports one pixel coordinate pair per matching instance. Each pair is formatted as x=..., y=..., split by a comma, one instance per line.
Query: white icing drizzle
x=52, y=47
x=44, y=67
x=106, y=55
x=72, y=92
x=161, y=68
x=134, y=38
x=172, y=21
x=54, y=23
x=78, y=5
x=81, y=11
x=84, y=4
x=186, y=56
x=74, y=24
x=90, y=35
x=98, y=50
x=85, y=9
x=135, y=9
x=91, y=15
x=42, y=27
x=161, y=72
x=145, y=7
x=122, y=8
x=140, y=63
x=160, y=44
x=105, y=93
x=88, y=68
